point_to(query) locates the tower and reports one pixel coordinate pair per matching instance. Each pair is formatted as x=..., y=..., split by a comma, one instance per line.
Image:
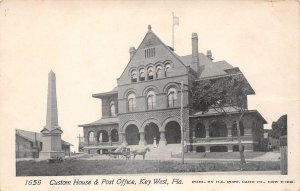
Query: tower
x=52, y=146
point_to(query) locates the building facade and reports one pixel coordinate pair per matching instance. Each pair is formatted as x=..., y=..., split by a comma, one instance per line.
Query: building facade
x=146, y=104
x=29, y=144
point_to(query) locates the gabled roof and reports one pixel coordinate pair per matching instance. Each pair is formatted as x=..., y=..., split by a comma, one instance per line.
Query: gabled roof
x=155, y=41
x=103, y=121
x=30, y=135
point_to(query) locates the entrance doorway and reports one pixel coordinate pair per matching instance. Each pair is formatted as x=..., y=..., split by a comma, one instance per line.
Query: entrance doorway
x=151, y=131
x=132, y=135
x=173, y=133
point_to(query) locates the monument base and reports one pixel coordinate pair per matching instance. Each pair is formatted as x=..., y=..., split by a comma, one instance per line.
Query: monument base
x=51, y=154
x=162, y=143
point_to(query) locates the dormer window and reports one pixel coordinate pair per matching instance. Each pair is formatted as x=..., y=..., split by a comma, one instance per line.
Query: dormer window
x=133, y=76
x=150, y=73
x=142, y=75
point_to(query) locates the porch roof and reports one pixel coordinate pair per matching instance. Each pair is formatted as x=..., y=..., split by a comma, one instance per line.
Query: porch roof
x=103, y=121
x=229, y=111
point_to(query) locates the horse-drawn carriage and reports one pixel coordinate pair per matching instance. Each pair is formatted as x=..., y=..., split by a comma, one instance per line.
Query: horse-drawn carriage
x=123, y=152
x=119, y=153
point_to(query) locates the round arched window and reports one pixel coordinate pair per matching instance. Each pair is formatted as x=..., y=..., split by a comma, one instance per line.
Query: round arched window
x=131, y=102
x=133, y=76
x=167, y=68
x=150, y=73
x=158, y=72
x=172, y=97
x=142, y=74
x=112, y=109
x=151, y=100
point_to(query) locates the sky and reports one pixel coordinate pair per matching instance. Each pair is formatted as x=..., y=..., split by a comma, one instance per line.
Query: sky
x=86, y=43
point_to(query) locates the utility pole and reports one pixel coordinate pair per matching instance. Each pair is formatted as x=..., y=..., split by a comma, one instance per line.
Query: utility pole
x=181, y=123
x=173, y=30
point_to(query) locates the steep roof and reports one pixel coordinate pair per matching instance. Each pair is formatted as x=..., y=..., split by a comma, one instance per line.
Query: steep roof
x=208, y=68
x=152, y=39
x=30, y=135
x=103, y=121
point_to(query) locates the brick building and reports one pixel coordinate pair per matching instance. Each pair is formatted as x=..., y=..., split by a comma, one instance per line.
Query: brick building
x=145, y=105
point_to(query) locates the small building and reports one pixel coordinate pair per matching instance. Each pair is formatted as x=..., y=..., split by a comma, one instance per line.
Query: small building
x=29, y=144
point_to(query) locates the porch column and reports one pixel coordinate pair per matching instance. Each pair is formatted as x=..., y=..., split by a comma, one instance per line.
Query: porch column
x=142, y=138
x=124, y=142
x=207, y=130
x=109, y=138
x=95, y=140
x=162, y=141
x=194, y=134
x=207, y=148
x=229, y=129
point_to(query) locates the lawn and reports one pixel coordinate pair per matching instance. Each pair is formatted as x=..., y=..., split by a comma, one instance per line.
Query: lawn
x=219, y=155
x=96, y=167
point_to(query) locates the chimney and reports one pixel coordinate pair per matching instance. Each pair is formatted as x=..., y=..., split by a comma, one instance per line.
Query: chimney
x=132, y=51
x=209, y=54
x=195, y=54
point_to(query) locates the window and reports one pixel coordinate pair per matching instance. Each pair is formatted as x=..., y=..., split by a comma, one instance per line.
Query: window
x=150, y=52
x=158, y=72
x=91, y=137
x=167, y=68
x=142, y=74
x=114, y=135
x=150, y=73
x=151, y=100
x=112, y=109
x=172, y=97
x=133, y=76
x=131, y=102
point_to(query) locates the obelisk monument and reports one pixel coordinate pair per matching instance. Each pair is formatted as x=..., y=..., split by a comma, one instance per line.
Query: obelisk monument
x=52, y=146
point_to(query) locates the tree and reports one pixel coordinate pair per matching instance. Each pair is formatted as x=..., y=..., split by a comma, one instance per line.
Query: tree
x=222, y=94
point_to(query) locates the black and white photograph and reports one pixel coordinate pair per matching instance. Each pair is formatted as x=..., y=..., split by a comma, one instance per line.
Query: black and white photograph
x=150, y=95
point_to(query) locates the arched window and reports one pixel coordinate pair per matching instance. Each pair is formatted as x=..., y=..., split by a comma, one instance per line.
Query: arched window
x=133, y=76
x=158, y=72
x=131, y=102
x=167, y=68
x=172, y=97
x=142, y=74
x=91, y=137
x=151, y=99
x=112, y=109
x=150, y=73
x=114, y=135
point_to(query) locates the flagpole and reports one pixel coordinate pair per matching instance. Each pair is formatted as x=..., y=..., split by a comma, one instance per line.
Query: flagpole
x=173, y=30
x=181, y=123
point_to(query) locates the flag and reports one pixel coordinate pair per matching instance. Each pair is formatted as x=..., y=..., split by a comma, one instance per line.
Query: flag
x=175, y=20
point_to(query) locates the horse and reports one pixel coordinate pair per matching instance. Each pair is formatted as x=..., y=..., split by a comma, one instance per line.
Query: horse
x=141, y=151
